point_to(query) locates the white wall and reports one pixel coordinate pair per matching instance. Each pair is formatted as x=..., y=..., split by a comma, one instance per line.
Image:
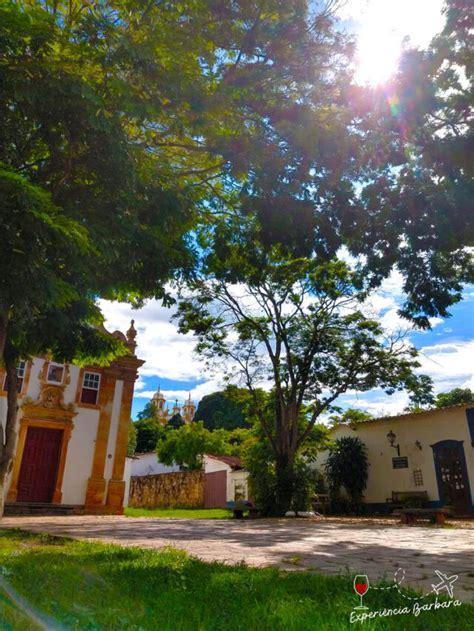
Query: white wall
x=80, y=454
x=428, y=428
x=148, y=464
x=211, y=465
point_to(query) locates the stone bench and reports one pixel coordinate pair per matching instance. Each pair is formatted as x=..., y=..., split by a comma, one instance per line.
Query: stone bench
x=238, y=507
x=435, y=515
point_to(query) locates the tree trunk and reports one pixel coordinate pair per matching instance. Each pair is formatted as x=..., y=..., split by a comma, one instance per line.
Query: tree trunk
x=3, y=329
x=8, y=428
x=287, y=415
x=284, y=483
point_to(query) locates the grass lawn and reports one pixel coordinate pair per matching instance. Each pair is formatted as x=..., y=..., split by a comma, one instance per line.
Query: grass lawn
x=92, y=586
x=180, y=513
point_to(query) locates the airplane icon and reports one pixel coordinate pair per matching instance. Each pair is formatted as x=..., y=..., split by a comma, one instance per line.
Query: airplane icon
x=446, y=583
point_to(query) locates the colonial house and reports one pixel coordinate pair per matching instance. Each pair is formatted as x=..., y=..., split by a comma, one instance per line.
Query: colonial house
x=226, y=480
x=72, y=433
x=430, y=452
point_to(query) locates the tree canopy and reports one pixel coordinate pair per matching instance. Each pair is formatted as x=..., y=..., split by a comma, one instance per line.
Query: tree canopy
x=187, y=445
x=454, y=397
x=148, y=432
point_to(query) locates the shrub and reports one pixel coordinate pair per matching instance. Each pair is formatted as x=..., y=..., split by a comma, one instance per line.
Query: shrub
x=347, y=467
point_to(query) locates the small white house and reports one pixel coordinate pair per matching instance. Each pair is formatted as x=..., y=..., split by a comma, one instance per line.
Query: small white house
x=236, y=475
x=431, y=451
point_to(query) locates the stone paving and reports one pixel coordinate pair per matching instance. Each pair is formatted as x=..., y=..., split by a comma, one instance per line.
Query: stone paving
x=323, y=546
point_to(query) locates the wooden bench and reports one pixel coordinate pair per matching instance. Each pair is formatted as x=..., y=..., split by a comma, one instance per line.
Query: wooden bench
x=435, y=515
x=407, y=499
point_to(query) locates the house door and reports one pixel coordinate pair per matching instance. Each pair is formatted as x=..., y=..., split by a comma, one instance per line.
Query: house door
x=451, y=474
x=39, y=464
x=215, y=489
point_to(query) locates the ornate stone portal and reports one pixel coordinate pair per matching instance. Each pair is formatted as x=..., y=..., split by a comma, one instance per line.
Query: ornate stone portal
x=48, y=411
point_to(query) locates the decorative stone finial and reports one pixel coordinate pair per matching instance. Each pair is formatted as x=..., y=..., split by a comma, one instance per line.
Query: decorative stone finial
x=131, y=335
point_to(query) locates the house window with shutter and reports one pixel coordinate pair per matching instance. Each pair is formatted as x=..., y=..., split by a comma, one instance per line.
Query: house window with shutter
x=90, y=387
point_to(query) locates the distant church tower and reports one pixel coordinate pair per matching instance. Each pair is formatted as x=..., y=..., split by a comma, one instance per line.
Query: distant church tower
x=189, y=410
x=164, y=415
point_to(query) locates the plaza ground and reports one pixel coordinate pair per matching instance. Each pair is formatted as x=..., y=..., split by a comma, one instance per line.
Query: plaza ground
x=330, y=547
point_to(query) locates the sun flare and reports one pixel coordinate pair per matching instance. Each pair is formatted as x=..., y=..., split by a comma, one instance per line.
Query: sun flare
x=381, y=26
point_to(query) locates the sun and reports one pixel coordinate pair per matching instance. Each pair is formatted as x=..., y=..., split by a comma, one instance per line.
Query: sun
x=381, y=27
x=377, y=56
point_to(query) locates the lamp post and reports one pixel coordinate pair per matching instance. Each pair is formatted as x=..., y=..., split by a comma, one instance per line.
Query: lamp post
x=391, y=439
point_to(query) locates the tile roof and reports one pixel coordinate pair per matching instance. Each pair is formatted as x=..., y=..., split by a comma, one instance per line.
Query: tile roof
x=233, y=461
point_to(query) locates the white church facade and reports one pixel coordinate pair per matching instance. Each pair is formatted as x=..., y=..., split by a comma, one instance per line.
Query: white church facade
x=72, y=433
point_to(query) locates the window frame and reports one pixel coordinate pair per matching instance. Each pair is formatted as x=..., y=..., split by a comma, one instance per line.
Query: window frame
x=55, y=365
x=88, y=388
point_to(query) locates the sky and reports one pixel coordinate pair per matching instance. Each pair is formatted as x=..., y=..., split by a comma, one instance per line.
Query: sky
x=446, y=351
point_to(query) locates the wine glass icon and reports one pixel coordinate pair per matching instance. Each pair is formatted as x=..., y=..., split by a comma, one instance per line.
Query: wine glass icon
x=361, y=586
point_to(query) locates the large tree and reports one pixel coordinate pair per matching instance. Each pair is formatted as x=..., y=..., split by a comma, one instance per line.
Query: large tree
x=297, y=323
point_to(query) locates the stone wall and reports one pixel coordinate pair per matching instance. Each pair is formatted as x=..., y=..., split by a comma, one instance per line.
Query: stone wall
x=164, y=490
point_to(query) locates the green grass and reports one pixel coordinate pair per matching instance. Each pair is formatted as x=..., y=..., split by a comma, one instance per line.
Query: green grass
x=180, y=513
x=91, y=586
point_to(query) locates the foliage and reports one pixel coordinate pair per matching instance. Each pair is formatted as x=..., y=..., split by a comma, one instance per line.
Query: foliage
x=430, y=221
x=149, y=432
x=132, y=439
x=222, y=409
x=349, y=416
x=175, y=422
x=259, y=460
x=347, y=467
x=187, y=445
x=306, y=481
x=454, y=397
x=149, y=411
x=422, y=396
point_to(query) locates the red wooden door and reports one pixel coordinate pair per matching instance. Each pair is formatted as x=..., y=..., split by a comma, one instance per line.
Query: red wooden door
x=39, y=465
x=215, y=489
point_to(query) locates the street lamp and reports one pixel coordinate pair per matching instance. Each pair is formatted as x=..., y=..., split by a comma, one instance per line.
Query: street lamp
x=391, y=439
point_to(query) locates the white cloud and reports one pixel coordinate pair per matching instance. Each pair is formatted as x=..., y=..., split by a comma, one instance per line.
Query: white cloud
x=166, y=352
x=197, y=393
x=380, y=405
x=449, y=365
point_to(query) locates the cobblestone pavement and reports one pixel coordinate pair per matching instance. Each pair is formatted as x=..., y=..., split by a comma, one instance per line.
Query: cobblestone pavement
x=327, y=547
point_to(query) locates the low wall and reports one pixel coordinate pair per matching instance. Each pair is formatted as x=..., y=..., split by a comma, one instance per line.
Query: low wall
x=165, y=490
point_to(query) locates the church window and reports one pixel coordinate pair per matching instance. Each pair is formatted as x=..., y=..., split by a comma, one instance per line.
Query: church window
x=20, y=373
x=90, y=387
x=55, y=373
